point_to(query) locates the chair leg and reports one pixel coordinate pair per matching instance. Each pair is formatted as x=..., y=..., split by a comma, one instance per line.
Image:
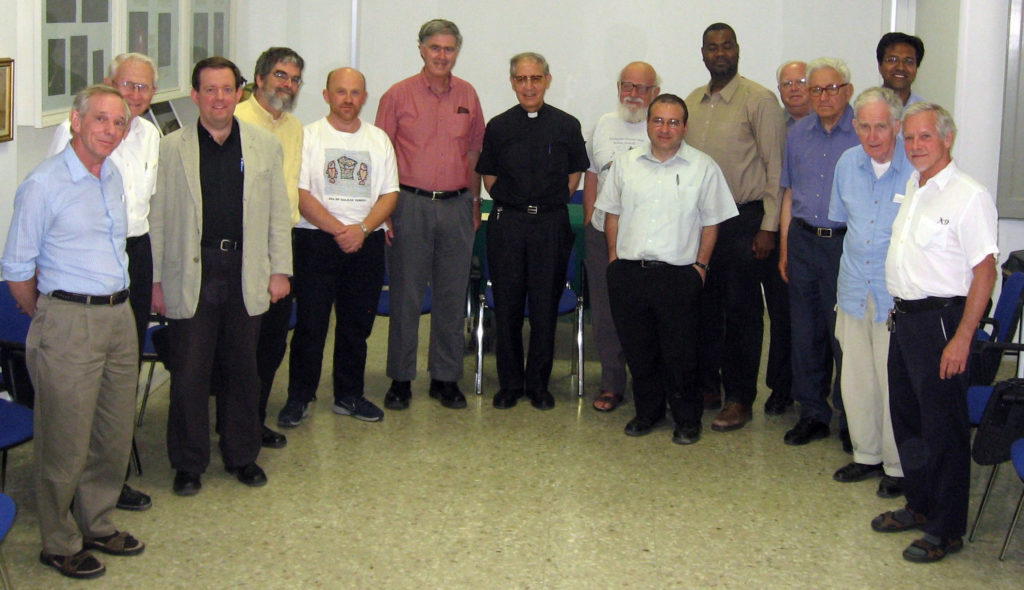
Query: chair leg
x=579, y=346
x=135, y=462
x=145, y=394
x=984, y=500
x=1013, y=525
x=3, y=472
x=478, y=381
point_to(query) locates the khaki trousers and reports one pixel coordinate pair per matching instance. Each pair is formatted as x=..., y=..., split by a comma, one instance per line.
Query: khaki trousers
x=83, y=363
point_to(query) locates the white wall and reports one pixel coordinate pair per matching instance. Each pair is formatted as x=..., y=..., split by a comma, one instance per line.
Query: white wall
x=938, y=21
x=8, y=150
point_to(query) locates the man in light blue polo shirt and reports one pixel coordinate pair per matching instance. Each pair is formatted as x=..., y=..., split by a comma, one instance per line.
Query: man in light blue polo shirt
x=867, y=190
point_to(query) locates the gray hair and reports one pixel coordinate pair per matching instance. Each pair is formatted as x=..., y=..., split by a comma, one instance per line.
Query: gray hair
x=439, y=26
x=83, y=98
x=882, y=95
x=117, y=62
x=530, y=55
x=829, y=62
x=778, y=72
x=943, y=120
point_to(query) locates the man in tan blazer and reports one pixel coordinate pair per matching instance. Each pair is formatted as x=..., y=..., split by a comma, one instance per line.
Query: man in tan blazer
x=220, y=211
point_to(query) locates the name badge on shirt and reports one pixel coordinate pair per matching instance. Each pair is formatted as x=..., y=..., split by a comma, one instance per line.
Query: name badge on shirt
x=898, y=198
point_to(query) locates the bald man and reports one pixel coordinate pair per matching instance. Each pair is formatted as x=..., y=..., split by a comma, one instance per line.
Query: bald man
x=348, y=186
x=616, y=132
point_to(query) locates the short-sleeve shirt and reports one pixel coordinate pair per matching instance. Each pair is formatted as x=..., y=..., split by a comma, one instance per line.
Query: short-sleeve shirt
x=811, y=156
x=346, y=172
x=612, y=136
x=532, y=156
x=432, y=134
x=942, y=231
x=867, y=204
x=662, y=206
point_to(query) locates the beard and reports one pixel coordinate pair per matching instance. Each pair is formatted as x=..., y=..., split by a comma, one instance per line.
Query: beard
x=632, y=115
x=281, y=101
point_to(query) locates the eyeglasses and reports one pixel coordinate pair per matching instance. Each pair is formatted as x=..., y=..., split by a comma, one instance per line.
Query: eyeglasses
x=628, y=87
x=522, y=80
x=672, y=123
x=787, y=84
x=831, y=89
x=892, y=60
x=283, y=76
x=138, y=86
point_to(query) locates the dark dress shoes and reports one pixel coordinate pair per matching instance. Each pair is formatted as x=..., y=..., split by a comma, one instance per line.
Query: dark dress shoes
x=506, y=398
x=542, y=400
x=272, y=440
x=132, y=499
x=640, y=426
x=806, y=430
x=890, y=487
x=251, y=475
x=187, y=483
x=398, y=395
x=777, y=403
x=857, y=472
x=449, y=394
x=686, y=435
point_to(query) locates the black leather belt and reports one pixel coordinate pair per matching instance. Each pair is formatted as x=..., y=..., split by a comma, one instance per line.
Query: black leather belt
x=821, y=232
x=224, y=244
x=114, y=299
x=926, y=304
x=646, y=263
x=433, y=195
x=529, y=209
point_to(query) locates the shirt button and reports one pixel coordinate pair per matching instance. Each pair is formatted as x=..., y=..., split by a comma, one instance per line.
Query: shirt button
x=195, y=260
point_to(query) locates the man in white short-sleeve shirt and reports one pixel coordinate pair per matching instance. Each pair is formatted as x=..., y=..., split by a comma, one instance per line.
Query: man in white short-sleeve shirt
x=940, y=270
x=348, y=186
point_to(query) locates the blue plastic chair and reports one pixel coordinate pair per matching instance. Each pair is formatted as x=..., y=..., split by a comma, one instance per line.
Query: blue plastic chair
x=570, y=302
x=1017, y=457
x=7, y=512
x=15, y=429
x=384, y=303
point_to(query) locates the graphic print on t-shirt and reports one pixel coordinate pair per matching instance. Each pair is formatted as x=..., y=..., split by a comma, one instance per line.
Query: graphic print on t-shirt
x=346, y=176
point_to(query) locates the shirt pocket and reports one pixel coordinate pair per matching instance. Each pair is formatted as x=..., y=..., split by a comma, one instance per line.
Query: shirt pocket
x=932, y=234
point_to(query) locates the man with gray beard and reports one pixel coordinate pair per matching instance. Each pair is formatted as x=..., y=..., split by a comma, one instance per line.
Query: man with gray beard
x=615, y=132
x=278, y=78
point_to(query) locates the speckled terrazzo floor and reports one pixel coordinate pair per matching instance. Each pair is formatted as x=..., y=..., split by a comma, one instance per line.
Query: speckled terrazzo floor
x=482, y=498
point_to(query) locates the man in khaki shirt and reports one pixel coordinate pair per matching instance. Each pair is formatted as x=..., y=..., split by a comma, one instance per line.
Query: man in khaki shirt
x=278, y=78
x=738, y=123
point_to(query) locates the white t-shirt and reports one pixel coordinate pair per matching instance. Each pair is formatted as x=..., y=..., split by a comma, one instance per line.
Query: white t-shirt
x=612, y=136
x=136, y=159
x=346, y=172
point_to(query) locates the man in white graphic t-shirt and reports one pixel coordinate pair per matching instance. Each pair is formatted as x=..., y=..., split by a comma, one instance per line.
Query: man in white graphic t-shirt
x=348, y=186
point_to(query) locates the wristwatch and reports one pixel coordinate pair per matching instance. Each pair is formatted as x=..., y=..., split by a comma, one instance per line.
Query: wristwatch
x=366, y=232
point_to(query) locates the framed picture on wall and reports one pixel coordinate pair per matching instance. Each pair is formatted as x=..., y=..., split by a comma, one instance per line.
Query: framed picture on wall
x=6, y=99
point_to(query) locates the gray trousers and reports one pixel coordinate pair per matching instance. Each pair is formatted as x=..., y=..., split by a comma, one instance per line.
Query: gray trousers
x=433, y=243
x=83, y=363
x=613, y=360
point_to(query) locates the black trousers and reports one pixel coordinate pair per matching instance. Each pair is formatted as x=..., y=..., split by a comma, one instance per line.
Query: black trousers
x=732, y=310
x=272, y=344
x=326, y=277
x=929, y=420
x=220, y=329
x=140, y=289
x=527, y=256
x=655, y=312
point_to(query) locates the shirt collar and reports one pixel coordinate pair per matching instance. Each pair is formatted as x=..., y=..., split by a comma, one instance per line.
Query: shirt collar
x=897, y=163
x=683, y=154
x=426, y=82
x=727, y=91
x=942, y=179
x=77, y=169
x=845, y=122
x=264, y=113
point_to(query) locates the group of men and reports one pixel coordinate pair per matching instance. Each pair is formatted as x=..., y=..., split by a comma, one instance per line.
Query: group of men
x=217, y=225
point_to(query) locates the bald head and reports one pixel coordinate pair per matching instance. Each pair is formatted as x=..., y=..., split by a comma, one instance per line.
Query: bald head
x=638, y=85
x=346, y=72
x=346, y=95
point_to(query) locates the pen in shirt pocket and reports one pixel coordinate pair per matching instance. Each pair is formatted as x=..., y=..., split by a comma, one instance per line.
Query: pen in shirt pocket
x=241, y=164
